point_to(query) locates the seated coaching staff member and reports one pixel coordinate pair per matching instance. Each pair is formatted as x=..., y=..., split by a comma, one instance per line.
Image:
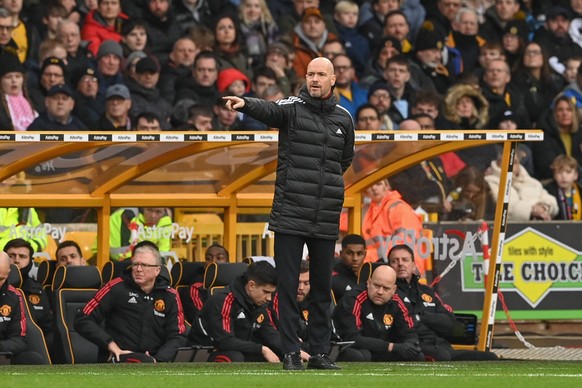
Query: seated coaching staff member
x=236, y=322
x=377, y=320
x=434, y=319
x=13, y=321
x=316, y=147
x=142, y=313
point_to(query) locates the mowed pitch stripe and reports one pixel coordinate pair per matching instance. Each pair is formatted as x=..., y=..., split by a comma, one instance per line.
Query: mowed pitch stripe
x=155, y=372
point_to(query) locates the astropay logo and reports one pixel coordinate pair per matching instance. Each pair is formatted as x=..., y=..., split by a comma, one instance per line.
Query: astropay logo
x=156, y=232
x=40, y=231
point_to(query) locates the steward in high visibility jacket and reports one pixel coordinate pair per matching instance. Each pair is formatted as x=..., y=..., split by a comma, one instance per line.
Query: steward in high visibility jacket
x=127, y=229
x=22, y=223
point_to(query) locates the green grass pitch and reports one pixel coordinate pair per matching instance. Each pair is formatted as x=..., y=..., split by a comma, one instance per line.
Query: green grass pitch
x=500, y=374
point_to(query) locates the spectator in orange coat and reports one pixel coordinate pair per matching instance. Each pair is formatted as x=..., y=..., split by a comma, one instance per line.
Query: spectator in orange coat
x=389, y=221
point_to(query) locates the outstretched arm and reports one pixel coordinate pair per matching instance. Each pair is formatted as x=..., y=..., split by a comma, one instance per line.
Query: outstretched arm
x=270, y=113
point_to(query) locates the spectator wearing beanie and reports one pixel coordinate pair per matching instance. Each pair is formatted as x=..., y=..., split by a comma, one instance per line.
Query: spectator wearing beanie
x=16, y=111
x=374, y=71
x=52, y=72
x=145, y=96
x=109, y=67
x=427, y=69
x=87, y=107
x=103, y=24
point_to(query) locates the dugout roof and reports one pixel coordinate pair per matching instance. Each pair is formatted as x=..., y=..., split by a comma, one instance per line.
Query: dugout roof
x=226, y=170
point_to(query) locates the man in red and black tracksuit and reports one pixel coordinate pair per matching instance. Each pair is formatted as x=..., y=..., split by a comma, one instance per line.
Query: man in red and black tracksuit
x=435, y=320
x=377, y=321
x=197, y=295
x=12, y=320
x=20, y=253
x=236, y=322
x=142, y=313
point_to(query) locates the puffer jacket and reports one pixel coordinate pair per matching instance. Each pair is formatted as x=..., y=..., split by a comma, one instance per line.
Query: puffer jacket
x=316, y=146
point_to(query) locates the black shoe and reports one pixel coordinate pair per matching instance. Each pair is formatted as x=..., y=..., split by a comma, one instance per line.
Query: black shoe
x=292, y=361
x=321, y=361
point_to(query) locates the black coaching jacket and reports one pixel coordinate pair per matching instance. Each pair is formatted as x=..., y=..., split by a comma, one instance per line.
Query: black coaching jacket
x=433, y=317
x=316, y=147
x=12, y=321
x=135, y=320
x=230, y=320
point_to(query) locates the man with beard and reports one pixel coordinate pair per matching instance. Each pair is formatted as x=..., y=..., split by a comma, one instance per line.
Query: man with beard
x=20, y=253
x=555, y=41
x=163, y=30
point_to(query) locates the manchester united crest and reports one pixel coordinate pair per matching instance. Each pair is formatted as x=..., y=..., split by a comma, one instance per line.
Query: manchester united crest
x=388, y=319
x=159, y=305
x=427, y=298
x=5, y=310
x=34, y=299
x=260, y=318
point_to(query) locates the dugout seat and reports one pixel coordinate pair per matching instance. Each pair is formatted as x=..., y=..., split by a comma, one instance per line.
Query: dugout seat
x=366, y=271
x=73, y=287
x=113, y=269
x=218, y=276
x=184, y=273
x=255, y=259
x=46, y=273
x=34, y=334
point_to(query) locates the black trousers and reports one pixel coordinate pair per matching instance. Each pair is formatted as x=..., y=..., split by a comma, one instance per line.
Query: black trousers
x=288, y=253
x=441, y=350
x=234, y=356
